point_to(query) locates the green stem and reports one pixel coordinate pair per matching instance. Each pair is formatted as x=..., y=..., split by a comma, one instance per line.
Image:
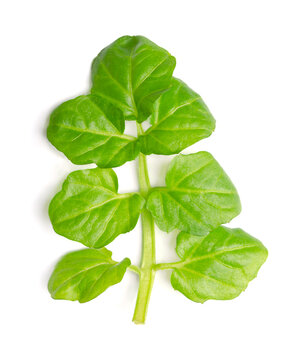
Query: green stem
x=147, y=271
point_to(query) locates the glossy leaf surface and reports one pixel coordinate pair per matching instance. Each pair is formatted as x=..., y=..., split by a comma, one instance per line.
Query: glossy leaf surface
x=131, y=73
x=217, y=266
x=179, y=119
x=199, y=196
x=89, y=210
x=83, y=275
x=88, y=129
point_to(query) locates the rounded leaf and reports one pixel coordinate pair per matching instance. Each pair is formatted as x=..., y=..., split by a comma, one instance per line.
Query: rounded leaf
x=89, y=210
x=131, y=73
x=88, y=129
x=199, y=196
x=217, y=266
x=83, y=275
x=179, y=119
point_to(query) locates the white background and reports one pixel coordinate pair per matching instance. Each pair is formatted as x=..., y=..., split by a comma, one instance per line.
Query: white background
x=242, y=58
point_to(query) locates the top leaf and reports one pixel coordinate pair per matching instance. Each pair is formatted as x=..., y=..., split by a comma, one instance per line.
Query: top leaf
x=131, y=73
x=179, y=119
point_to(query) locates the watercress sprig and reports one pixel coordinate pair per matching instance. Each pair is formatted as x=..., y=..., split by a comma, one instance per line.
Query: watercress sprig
x=132, y=79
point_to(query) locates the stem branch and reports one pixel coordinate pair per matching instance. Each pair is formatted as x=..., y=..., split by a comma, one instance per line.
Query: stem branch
x=134, y=269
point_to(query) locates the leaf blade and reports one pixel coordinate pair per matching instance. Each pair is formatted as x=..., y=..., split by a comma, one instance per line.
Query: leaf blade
x=217, y=266
x=89, y=210
x=179, y=119
x=132, y=72
x=84, y=274
x=199, y=196
x=88, y=129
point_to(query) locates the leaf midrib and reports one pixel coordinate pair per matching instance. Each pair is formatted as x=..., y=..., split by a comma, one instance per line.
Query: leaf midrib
x=170, y=113
x=197, y=191
x=180, y=129
x=199, y=273
x=95, y=132
x=111, y=262
x=210, y=256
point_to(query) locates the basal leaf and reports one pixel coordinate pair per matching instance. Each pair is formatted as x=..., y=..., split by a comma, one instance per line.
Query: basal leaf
x=89, y=210
x=199, y=196
x=131, y=73
x=83, y=275
x=88, y=129
x=179, y=119
x=217, y=266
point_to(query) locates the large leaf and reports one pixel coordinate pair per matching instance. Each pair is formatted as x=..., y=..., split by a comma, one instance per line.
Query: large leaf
x=218, y=266
x=83, y=275
x=199, y=196
x=89, y=210
x=88, y=129
x=131, y=73
x=179, y=119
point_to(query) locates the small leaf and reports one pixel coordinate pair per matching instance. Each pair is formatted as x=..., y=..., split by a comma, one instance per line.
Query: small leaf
x=131, y=73
x=217, y=266
x=83, y=275
x=89, y=210
x=88, y=129
x=179, y=119
x=199, y=196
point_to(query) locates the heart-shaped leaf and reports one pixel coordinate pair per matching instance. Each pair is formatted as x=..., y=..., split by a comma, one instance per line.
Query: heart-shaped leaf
x=89, y=210
x=217, y=266
x=199, y=196
x=83, y=275
x=88, y=129
x=131, y=73
x=179, y=119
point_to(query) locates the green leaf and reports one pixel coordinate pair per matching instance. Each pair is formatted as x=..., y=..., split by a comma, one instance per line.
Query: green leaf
x=179, y=119
x=217, y=266
x=199, y=196
x=83, y=275
x=89, y=210
x=131, y=73
x=88, y=129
